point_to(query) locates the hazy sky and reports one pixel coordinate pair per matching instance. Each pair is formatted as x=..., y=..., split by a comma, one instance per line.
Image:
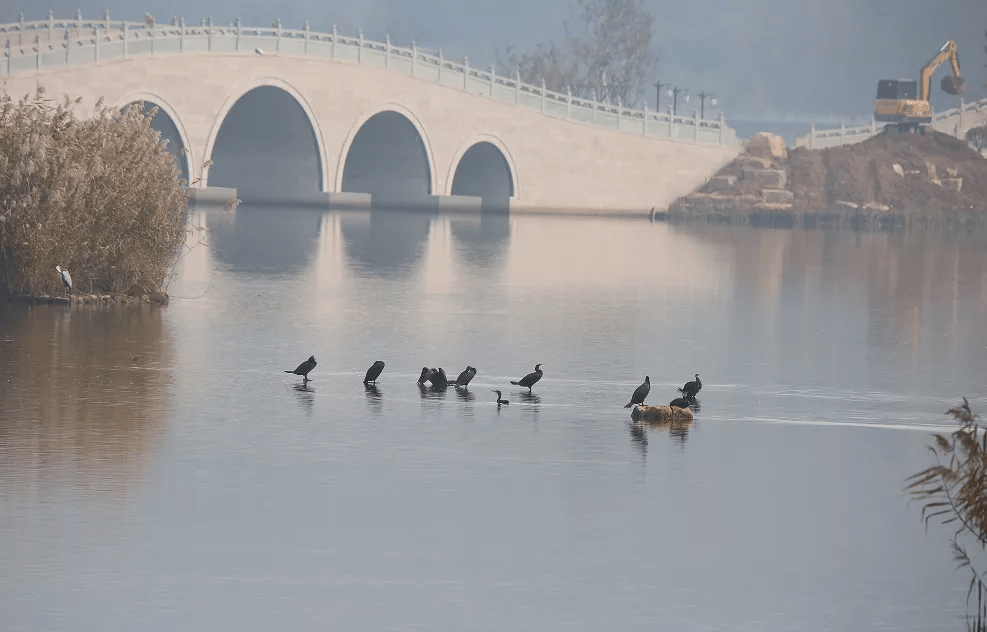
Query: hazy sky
x=765, y=59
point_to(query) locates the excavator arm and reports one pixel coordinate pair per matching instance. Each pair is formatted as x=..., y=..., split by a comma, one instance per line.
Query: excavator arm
x=954, y=84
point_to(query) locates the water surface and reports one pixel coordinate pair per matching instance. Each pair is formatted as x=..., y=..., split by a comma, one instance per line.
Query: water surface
x=159, y=471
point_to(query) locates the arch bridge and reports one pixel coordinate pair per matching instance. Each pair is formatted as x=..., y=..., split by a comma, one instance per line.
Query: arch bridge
x=305, y=116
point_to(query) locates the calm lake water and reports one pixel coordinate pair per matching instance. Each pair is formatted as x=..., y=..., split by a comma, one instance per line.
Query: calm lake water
x=160, y=471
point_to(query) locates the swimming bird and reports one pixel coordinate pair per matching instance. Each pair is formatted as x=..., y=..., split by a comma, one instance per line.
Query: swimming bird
x=640, y=392
x=500, y=400
x=530, y=379
x=679, y=402
x=66, y=278
x=304, y=368
x=691, y=389
x=423, y=377
x=374, y=372
x=465, y=377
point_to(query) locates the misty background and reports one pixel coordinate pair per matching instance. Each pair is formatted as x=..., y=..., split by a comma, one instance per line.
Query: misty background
x=766, y=60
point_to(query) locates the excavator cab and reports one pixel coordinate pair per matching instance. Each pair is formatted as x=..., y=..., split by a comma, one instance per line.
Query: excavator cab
x=898, y=103
x=897, y=89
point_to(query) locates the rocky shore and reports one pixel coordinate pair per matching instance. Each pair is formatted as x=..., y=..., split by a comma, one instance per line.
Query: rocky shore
x=909, y=181
x=154, y=298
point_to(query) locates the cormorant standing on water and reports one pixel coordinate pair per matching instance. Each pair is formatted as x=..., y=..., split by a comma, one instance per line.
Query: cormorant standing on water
x=640, y=392
x=679, y=402
x=691, y=389
x=438, y=378
x=423, y=377
x=374, y=372
x=530, y=379
x=499, y=399
x=465, y=377
x=304, y=368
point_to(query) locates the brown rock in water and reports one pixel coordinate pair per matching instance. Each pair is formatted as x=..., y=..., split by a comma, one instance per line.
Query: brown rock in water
x=660, y=413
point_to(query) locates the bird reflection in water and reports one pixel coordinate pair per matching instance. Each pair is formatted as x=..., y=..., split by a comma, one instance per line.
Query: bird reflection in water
x=432, y=392
x=532, y=401
x=639, y=438
x=678, y=430
x=306, y=395
x=529, y=398
x=464, y=394
x=374, y=398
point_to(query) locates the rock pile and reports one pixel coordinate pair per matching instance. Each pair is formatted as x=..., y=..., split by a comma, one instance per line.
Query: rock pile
x=904, y=178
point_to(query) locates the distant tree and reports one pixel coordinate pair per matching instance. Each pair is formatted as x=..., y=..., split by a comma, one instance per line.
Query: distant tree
x=954, y=491
x=977, y=137
x=607, y=55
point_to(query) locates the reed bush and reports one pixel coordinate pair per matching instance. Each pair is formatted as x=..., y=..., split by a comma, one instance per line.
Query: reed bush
x=100, y=197
x=954, y=492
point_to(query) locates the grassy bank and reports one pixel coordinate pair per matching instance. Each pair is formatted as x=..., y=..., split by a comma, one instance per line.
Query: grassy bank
x=100, y=197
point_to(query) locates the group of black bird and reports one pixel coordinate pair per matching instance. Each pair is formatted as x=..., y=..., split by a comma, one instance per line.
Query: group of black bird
x=689, y=392
x=435, y=377
x=438, y=380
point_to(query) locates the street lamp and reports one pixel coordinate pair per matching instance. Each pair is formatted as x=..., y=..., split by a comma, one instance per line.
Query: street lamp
x=674, y=93
x=658, y=86
x=702, y=97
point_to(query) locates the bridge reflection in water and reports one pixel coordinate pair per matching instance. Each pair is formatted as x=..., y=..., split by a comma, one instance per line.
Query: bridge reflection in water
x=279, y=239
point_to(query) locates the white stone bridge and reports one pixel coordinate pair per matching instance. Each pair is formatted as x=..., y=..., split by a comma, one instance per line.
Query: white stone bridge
x=299, y=115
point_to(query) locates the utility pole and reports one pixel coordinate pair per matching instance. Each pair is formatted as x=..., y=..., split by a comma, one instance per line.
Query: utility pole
x=658, y=86
x=702, y=102
x=675, y=98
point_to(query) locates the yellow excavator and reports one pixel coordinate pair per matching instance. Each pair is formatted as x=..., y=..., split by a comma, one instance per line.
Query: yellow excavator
x=902, y=107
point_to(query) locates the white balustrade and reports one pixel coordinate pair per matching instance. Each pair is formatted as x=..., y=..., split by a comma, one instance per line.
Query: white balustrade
x=103, y=40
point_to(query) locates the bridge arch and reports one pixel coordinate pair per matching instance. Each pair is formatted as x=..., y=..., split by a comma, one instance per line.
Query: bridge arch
x=186, y=162
x=292, y=130
x=409, y=154
x=481, y=153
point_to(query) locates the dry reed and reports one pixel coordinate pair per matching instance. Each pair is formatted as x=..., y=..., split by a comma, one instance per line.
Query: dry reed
x=954, y=491
x=100, y=197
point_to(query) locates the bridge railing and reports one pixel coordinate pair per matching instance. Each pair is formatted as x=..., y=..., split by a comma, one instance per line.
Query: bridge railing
x=843, y=135
x=29, y=46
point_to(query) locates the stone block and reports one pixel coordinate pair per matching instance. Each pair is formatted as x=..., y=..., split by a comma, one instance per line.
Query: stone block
x=766, y=178
x=877, y=206
x=777, y=196
x=953, y=183
x=721, y=183
x=767, y=145
x=746, y=161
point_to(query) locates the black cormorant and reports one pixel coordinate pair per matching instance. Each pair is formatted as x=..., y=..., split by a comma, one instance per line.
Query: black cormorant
x=640, y=392
x=500, y=400
x=465, y=377
x=66, y=278
x=374, y=372
x=691, y=389
x=304, y=368
x=530, y=379
x=679, y=402
x=438, y=378
x=423, y=377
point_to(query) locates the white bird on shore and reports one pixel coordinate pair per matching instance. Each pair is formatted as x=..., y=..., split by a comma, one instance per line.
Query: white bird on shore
x=66, y=278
